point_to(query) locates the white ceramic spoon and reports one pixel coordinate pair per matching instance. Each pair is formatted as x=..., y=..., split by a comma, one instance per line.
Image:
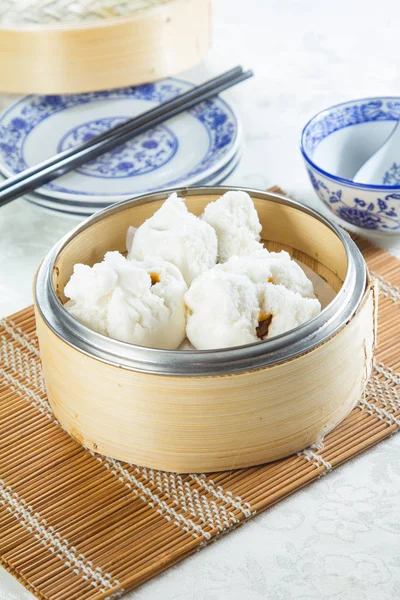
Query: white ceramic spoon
x=383, y=167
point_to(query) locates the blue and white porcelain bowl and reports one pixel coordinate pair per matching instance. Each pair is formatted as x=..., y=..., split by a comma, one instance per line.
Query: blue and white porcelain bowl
x=335, y=143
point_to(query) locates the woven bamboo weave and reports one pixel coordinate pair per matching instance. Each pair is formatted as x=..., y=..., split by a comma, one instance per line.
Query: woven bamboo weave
x=40, y=12
x=77, y=526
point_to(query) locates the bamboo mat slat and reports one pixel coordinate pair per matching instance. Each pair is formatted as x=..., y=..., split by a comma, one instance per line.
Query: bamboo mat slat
x=78, y=526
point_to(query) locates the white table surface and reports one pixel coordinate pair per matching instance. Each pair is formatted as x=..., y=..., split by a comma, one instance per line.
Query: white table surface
x=339, y=538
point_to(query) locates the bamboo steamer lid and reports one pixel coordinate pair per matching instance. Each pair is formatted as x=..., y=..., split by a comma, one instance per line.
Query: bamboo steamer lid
x=64, y=46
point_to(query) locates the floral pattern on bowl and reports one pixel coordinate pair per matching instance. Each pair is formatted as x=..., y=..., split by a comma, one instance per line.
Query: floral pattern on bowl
x=379, y=212
x=392, y=176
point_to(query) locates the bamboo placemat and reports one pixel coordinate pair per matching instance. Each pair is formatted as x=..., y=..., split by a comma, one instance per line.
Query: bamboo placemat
x=76, y=526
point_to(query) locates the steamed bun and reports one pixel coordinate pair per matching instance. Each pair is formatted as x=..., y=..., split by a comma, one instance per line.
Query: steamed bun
x=140, y=302
x=178, y=236
x=236, y=222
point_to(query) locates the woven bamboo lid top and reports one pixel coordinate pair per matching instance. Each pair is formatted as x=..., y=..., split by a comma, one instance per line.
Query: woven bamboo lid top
x=19, y=13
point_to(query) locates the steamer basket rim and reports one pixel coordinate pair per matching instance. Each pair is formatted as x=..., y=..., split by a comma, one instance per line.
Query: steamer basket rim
x=279, y=349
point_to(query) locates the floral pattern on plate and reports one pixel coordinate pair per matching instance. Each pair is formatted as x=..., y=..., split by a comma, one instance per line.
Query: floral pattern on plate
x=142, y=154
x=38, y=126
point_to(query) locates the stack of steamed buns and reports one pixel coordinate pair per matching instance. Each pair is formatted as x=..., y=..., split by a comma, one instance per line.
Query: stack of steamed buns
x=207, y=279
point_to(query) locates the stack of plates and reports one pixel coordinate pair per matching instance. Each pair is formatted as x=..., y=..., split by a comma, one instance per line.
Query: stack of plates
x=198, y=147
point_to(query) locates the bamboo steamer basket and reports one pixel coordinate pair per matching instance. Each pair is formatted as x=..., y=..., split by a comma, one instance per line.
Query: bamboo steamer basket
x=57, y=47
x=203, y=411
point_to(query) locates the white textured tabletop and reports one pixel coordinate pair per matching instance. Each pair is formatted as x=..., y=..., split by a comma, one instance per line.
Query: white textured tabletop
x=339, y=538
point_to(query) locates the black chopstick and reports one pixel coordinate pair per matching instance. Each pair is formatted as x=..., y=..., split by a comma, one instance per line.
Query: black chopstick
x=60, y=164
x=140, y=119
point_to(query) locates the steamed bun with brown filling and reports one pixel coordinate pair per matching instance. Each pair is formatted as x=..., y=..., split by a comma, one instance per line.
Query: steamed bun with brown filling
x=272, y=267
x=140, y=302
x=178, y=236
x=223, y=310
x=248, y=299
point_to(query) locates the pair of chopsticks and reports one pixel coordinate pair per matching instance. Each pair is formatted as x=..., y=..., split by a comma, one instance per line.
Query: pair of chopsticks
x=61, y=163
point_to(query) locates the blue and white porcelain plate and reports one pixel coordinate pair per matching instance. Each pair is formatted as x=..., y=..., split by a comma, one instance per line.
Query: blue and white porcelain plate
x=185, y=150
x=81, y=209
